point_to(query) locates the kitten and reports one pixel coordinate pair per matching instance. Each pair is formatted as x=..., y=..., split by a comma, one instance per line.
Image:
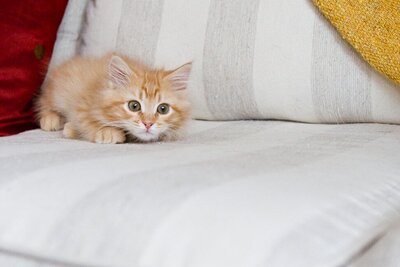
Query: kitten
x=105, y=99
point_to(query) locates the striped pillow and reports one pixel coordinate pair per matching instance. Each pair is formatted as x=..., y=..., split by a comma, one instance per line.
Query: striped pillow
x=254, y=59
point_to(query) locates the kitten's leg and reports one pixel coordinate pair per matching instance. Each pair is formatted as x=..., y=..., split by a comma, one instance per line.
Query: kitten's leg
x=69, y=131
x=51, y=121
x=108, y=135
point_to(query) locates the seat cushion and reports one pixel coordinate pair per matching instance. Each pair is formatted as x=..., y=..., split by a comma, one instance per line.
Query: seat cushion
x=244, y=193
x=383, y=251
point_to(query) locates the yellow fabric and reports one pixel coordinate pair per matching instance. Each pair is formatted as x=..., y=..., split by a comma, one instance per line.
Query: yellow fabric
x=372, y=27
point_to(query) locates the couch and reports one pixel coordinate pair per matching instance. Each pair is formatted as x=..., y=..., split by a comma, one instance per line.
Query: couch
x=268, y=173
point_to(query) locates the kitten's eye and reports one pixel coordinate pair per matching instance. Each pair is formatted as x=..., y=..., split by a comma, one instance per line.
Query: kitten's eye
x=163, y=108
x=134, y=106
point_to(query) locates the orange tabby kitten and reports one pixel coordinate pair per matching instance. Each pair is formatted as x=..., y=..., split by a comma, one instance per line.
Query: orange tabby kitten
x=105, y=99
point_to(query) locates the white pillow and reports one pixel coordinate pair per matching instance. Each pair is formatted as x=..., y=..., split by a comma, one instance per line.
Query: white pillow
x=256, y=59
x=69, y=32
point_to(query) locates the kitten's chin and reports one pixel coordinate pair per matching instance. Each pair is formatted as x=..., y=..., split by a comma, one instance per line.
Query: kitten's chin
x=146, y=137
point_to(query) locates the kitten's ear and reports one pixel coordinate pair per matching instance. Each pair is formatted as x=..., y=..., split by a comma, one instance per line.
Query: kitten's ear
x=179, y=77
x=119, y=72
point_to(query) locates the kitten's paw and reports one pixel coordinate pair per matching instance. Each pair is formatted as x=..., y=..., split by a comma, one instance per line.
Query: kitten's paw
x=51, y=121
x=109, y=135
x=69, y=131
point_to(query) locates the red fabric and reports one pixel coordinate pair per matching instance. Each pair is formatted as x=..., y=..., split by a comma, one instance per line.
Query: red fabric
x=24, y=26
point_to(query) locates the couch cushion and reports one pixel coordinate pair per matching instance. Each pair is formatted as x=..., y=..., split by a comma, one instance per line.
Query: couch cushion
x=27, y=32
x=245, y=193
x=255, y=59
x=69, y=32
x=383, y=251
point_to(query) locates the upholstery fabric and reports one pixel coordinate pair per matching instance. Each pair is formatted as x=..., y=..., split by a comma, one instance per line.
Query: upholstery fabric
x=254, y=59
x=69, y=33
x=27, y=31
x=243, y=193
x=384, y=251
x=372, y=27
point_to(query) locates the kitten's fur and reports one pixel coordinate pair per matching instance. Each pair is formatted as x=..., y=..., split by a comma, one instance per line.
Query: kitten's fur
x=89, y=97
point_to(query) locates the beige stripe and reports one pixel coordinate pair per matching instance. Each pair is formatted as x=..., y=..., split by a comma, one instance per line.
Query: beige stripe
x=340, y=78
x=139, y=29
x=228, y=59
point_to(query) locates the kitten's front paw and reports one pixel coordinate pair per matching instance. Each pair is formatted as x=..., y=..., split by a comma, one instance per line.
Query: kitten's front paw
x=69, y=131
x=51, y=121
x=109, y=135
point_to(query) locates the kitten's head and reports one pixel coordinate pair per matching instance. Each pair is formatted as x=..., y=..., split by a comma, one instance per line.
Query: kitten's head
x=148, y=104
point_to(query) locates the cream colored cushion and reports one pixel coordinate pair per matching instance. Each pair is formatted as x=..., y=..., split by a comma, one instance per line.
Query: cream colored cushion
x=232, y=194
x=255, y=59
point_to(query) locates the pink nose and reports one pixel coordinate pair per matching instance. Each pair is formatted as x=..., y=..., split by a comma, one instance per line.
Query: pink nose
x=147, y=124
